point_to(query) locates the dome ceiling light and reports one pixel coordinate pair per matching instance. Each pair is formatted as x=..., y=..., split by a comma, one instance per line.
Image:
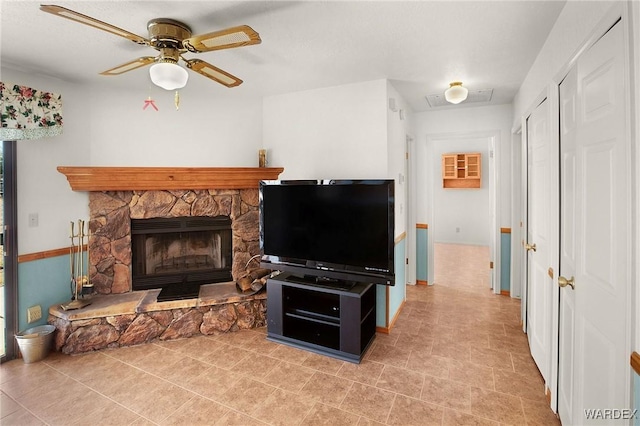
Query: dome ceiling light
x=166, y=73
x=456, y=93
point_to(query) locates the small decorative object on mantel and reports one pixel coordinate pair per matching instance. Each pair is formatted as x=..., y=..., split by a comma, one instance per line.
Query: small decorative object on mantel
x=262, y=158
x=80, y=281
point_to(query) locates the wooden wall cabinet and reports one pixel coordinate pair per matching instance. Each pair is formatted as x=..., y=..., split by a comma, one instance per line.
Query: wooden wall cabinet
x=462, y=170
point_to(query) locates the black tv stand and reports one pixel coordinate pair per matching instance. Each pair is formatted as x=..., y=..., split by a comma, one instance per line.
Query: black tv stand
x=330, y=318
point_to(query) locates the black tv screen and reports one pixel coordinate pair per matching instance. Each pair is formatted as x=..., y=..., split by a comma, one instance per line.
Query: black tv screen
x=340, y=229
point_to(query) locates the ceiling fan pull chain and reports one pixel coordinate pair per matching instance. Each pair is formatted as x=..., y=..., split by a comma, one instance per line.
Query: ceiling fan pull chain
x=151, y=102
x=176, y=100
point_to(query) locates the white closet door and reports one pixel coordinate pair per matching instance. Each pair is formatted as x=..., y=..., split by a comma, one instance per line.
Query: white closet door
x=595, y=233
x=539, y=284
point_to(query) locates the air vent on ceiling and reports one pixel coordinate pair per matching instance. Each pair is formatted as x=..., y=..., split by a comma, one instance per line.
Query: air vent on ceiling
x=474, y=96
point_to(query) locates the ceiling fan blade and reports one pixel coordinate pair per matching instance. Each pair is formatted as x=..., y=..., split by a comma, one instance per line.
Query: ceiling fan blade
x=131, y=65
x=87, y=20
x=225, y=39
x=214, y=73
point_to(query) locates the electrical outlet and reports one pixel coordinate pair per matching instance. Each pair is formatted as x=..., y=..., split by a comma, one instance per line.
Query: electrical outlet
x=34, y=313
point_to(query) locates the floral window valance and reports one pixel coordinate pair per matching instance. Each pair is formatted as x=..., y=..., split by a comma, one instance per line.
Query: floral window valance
x=29, y=113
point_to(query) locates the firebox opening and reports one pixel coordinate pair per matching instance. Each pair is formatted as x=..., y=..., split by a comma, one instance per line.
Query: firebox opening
x=180, y=254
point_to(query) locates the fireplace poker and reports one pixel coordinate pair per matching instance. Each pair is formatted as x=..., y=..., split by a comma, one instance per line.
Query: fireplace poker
x=83, y=277
x=80, y=256
x=88, y=284
x=72, y=264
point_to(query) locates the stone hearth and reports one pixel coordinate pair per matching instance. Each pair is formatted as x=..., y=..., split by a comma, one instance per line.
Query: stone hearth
x=133, y=318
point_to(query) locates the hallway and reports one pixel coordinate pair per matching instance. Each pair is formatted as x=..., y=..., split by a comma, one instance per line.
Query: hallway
x=462, y=267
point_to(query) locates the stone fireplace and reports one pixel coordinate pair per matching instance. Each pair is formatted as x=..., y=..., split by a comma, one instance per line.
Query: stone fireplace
x=112, y=213
x=122, y=198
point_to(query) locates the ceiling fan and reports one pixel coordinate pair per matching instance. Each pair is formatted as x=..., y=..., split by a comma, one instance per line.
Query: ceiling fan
x=172, y=39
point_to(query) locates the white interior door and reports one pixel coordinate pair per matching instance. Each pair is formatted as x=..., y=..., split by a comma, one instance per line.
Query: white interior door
x=566, y=351
x=595, y=233
x=539, y=284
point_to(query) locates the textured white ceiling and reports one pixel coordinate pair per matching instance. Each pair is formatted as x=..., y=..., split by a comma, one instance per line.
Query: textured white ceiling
x=420, y=46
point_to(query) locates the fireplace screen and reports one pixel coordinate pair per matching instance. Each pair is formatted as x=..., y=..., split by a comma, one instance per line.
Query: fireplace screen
x=180, y=254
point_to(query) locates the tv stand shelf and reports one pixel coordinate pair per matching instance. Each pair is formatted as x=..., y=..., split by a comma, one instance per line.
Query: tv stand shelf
x=337, y=320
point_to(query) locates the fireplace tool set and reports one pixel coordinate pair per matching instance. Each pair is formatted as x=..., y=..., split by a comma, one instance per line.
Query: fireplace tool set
x=80, y=281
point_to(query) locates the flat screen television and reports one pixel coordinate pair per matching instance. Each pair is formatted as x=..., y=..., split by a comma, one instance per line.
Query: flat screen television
x=329, y=230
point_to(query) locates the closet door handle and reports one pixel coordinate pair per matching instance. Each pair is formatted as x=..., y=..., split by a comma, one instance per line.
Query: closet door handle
x=530, y=247
x=563, y=282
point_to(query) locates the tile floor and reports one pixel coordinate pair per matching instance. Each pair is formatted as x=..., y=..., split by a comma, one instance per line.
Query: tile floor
x=456, y=356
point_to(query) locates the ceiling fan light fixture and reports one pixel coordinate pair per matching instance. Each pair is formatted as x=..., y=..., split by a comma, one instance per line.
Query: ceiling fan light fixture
x=171, y=38
x=168, y=75
x=456, y=93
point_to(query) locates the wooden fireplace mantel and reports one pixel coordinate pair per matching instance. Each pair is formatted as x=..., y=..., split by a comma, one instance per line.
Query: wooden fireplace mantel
x=164, y=178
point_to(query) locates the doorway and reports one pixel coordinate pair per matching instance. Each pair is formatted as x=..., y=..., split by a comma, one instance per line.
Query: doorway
x=463, y=216
x=9, y=258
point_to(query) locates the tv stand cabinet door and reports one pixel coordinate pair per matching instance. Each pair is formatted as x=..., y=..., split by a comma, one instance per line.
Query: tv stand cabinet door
x=274, y=308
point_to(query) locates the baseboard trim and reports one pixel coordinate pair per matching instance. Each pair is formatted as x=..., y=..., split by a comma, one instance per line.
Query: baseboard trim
x=387, y=330
x=395, y=317
x=635, y=362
